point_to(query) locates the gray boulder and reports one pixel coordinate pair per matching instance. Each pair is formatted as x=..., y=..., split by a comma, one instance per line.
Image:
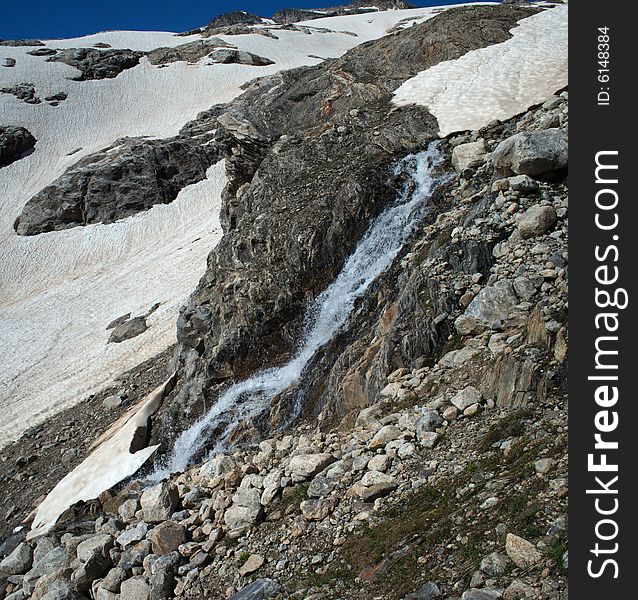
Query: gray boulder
x=536, y=220
x=135, y=588
x=127, y=330
x=167, y=537
x=55, y=560
x=428, y=422
x=532, y=153
x=95, y=63
x=429, y=591
x=482, y=594
x=14, y=142
x=19, y=561
x=493, y=303
x=159, y=502
x=470, y=155
x=466, y=397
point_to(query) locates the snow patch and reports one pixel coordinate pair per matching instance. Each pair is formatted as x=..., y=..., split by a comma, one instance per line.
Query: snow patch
x=110, y=462
x=496, y=82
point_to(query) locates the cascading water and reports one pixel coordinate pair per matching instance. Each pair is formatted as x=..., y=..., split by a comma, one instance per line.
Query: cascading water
x=326, y=317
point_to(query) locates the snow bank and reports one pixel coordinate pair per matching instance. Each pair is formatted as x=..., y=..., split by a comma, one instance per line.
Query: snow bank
x=496, y=82
x=110, y=462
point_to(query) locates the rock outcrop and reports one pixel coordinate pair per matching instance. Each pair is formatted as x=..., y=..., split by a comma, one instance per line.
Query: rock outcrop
x=97, y=63
x=131, y=176
x=14, y=142
x=19, y=43
x=191, y=52
x=23, y=91
x=294, y=15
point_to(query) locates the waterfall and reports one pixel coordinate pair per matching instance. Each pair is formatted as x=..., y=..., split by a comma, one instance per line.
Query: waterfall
x=326, y=316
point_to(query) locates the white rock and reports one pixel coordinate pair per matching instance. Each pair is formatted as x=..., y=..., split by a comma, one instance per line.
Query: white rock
x=305, y=466
x=523, y=553
x=470, y=155
x=466, y=397
x=386, y=434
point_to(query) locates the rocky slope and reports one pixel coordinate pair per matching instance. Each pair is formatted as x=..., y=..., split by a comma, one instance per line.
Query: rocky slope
x=423, y=452
x=451, y=484
x=285, y=139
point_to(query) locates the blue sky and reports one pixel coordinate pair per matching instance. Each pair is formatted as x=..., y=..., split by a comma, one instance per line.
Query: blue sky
x=72, y=18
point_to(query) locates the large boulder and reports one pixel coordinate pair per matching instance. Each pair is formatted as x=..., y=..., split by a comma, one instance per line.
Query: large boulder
x=19, y=561
x=167, y=537
x=493, y=303
x=14, y=142
x=306, y=466
x=55, y=560
x=159, y=502
x=468, y=156
x=532, y=153
x=127, y=330
x=536, y=220
x=135, y=588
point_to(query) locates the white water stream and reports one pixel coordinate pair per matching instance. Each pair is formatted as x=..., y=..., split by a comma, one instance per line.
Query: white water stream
x=327, y=315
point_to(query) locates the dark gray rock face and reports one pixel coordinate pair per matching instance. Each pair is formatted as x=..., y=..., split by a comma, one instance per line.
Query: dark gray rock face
x=241, y=57
x=294, y=15
x=131, y=176
x=191, y=52
x=98, y=64
x=14, y=142
x=9, y=62
x=23, y=91
x=308, y=161
x=128, y=329
x=237, y=17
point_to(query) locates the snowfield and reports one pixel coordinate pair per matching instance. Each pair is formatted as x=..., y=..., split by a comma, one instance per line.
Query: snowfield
x=60, y=290
x=496, y=82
